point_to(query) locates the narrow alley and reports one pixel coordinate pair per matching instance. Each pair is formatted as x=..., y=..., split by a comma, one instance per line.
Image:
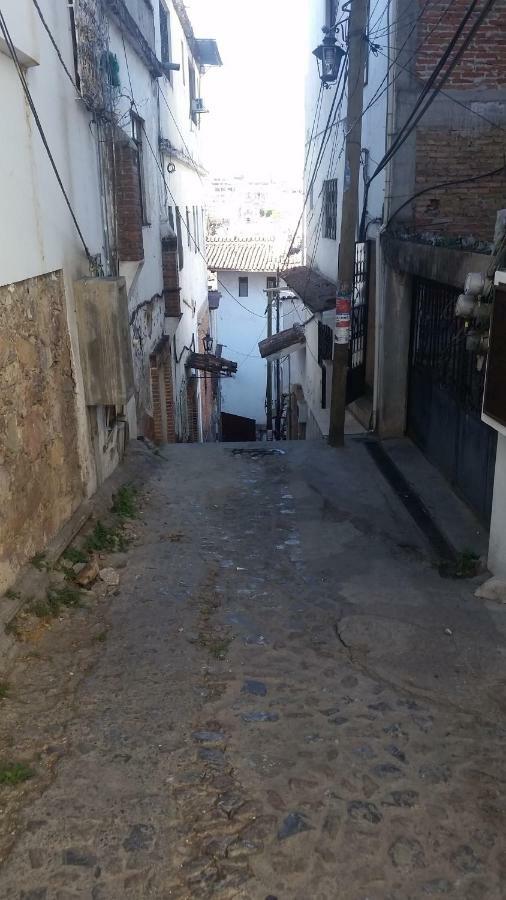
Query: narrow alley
x=282, y=700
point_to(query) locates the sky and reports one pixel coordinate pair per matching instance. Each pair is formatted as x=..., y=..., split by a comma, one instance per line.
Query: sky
x=255, y=125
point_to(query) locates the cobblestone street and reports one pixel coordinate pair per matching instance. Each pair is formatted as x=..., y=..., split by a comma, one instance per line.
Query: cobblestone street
x=283, y=701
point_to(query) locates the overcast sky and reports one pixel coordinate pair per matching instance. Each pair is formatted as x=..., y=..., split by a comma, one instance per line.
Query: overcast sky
x=255, y=125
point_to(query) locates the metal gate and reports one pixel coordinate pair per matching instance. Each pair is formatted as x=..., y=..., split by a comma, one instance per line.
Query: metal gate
x=445, y=397
x=358, y=338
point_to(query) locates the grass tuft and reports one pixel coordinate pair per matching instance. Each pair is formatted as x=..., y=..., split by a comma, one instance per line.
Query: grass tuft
x=124, y=502
x=465, y=565
x=12, y=773
x=75, y=555
x=56, y=598
x=4, y=689
x=104, y=538
x=12, y=595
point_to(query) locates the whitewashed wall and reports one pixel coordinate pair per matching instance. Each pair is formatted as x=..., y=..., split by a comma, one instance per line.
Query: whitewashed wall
x=239, y=331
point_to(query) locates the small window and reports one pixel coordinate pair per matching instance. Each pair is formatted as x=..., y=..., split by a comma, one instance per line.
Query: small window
x=171, y=218
x=165, y=41
x=243, y=287
x=180, y=250
x=137, y=135
x=330, y=208
x=183, y=63
x=196, y=239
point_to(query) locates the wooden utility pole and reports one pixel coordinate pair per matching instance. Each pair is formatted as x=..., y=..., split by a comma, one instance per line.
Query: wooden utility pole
x=357, y=49
x=278, y=367
x=268, y=392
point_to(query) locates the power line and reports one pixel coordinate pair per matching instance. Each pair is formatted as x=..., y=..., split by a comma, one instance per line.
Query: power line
x=191, y=160
x=422, y=103
x=171, y=195
x=51, y=38
x=26, y=90
x=445, y=184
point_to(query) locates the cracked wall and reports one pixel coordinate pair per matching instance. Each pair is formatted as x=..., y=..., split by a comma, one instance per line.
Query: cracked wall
x=40, y=477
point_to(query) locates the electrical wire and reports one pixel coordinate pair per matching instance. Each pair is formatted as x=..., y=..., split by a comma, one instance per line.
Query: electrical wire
x=424, y=101
x=445, y=184
x=171, y=195
x=12, y=50
x=185, y=145
x=51, y=38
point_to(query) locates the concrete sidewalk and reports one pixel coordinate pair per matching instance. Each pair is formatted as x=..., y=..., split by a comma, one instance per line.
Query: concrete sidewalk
x=283, y=700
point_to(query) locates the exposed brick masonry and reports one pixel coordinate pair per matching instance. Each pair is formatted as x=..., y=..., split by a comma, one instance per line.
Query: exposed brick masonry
x=128, y=202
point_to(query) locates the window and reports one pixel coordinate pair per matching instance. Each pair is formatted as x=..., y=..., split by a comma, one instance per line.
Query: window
x=330, y=208
x=331, y=13
x=165, y=42
x=193, y=91
x=183, y=63
x=180, y=250
x=243, y=286
x=196, y=241
x=137, y=129
x=171, y=218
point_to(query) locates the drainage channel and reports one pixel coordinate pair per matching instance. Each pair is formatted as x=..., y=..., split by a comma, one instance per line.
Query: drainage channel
x=414, y=505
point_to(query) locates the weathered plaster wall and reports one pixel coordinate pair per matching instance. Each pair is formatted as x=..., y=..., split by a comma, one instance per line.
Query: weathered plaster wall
x=40, y=477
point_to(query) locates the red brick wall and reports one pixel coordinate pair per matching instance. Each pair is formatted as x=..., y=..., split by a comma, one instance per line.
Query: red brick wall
x=128, y=202
x=453, y=151
x=464, y=209
x=170, y=269
x=162, y=393
x=483, y=64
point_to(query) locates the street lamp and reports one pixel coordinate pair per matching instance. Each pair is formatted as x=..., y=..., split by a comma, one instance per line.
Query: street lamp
x=329, y=55
x=208, y=343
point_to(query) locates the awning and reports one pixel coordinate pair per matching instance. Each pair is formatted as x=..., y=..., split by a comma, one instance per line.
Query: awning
x=207, y=362
x=316, y=292
x=282, y=343
x=207, y=53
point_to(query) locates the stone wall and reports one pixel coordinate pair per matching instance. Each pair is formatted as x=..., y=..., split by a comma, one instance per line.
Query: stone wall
x=40, y=478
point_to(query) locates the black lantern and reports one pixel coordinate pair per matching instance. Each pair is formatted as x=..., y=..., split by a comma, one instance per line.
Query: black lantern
x=329, y=55
x=208, y=343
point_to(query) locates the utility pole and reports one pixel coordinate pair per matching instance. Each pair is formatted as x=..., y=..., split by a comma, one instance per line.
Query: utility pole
x=278, y=369
x=268, y=392
x=357, y=48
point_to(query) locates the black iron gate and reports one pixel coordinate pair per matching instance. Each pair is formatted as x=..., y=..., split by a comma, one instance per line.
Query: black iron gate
x=358, y=338
x=445, y=396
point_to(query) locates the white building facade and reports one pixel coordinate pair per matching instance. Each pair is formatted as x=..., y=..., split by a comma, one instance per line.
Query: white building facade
x=101, y=289
x=246, y=270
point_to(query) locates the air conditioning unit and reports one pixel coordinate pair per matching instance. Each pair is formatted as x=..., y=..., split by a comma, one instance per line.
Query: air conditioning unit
x=198, y=105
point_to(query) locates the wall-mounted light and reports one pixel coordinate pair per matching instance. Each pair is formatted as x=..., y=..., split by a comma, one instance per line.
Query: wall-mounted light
x=208, y=343
x=329, y=55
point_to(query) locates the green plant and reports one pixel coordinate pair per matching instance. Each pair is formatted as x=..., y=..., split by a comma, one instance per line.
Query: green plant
x=56, y=598
x=75, y=555
x=39, y=561
x=12, y=773
x=465, y=565
x=102, y=538
x=124, y=502
x=4, y=689
x=12, y=595
x=12, y=627
x=102, y=637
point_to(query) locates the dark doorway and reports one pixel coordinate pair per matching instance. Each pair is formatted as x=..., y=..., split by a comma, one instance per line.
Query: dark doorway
x=237, y=428
x=445, y=397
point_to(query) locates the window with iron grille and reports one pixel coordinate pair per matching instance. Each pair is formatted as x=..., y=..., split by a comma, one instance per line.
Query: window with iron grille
x=165, y=38
x=324, y=342
x=330, y=208
x=243, y=286
x=180, y=250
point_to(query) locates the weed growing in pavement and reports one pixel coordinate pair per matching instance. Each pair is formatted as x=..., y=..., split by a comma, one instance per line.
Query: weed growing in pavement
x=216, y=646
x=124, y=502
x=56, y=598
x=104, y=538
x=12, y=627
x=465, y=565
x=102, y=637
x=75, y=555
x=12, y=773
x=4, y=689
x=12, y=595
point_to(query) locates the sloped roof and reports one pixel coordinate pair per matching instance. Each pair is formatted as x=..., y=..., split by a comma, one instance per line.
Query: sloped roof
x=316, y=292
x=243, y=254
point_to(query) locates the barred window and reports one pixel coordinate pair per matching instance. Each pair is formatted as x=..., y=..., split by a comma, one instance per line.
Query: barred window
x=330, y=208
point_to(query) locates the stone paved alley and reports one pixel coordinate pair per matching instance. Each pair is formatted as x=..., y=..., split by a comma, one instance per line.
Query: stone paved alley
x=283, y=699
